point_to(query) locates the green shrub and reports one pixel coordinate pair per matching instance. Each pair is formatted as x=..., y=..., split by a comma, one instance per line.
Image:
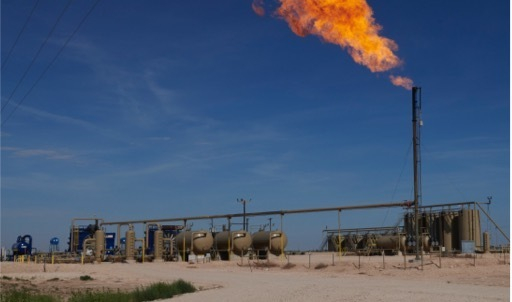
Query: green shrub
x=106, y=296
x=24, y=296
x=163, y=290
x=155, y=291
x=85, y=278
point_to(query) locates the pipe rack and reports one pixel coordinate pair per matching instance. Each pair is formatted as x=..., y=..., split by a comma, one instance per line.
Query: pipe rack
x=267, y=213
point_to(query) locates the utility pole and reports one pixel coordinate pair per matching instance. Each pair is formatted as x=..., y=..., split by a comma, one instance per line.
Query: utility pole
x=416, y=122
x=243, y=202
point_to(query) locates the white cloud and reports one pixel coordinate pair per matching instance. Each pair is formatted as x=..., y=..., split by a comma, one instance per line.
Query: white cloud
x=48, y=154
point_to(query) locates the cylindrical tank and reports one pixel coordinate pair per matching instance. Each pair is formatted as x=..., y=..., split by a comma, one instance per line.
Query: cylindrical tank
x=158, y=245
x=275, y=242
x=239, y=241
x=447, y=230
x=202, y=241
x=391, y=242
x=435, y=229
x=487, y=242
x=455, y=230
x=130, y=244
x=425, y=242
x=477, y=233
x=99, y=237
x=465, y=225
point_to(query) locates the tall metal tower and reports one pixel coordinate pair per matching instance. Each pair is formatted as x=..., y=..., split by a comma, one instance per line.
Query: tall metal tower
x=416, y=124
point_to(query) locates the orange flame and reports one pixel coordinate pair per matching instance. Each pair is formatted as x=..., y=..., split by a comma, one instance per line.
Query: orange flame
x=347, y=23
x=401, y=81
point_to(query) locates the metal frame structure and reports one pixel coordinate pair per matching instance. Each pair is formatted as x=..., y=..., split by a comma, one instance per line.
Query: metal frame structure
x=267, y=213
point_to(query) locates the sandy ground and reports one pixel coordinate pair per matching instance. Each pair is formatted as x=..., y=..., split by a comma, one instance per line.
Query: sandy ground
x=315, y=277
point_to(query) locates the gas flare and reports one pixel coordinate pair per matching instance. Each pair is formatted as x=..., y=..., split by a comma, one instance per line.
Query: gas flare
x=347, y=23
x=401, y=81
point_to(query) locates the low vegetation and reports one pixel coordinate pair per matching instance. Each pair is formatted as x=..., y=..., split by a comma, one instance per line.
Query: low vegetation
x=25, y=296
x=153, y=292
x=321, y=266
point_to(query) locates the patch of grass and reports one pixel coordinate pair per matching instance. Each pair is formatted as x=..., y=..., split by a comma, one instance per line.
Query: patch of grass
x=85, y=278
x=288, y=266
x=105, y=296
x=53, y=279
x=163, y=290
x=6, y=278
x=26, y=296
x=153, y=292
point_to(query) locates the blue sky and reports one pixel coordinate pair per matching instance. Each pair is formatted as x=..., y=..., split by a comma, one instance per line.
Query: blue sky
x=160, y=109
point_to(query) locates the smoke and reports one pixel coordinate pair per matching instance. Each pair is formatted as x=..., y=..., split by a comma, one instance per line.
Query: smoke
x=257, y=7
x=401, y=81
x=347, y=23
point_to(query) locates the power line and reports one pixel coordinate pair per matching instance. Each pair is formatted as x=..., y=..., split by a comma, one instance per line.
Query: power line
x=52, y=61
x=406, y=158
x=37, y=54
x=19, y=34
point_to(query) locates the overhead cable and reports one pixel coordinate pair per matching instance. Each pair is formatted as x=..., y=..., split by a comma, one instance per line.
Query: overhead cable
x=51, y=62
x=37, y=54
x=19, y=35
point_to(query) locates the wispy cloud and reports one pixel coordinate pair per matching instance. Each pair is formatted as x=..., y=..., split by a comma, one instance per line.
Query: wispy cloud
x=45, y=153
x=57, y=118
x=159, y=138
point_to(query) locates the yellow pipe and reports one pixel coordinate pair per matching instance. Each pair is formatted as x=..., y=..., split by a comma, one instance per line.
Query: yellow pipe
x=282, y=245
x=184, y=237
x=229, y=245
x=339, y=234
x=143, y=247
x=85, y=244
x=282, y=239
x=143, y=250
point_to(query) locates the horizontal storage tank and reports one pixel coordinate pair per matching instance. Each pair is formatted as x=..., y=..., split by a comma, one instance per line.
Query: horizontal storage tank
x=202, y=241
x=238, y=241
x=275, y=241
x=391, y=242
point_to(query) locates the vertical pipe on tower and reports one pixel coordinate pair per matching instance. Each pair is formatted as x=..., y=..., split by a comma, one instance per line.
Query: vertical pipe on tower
x=416, y=144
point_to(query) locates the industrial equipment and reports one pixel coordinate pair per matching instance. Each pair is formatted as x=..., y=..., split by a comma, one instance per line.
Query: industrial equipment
x=23, y=246
x=198, y=242
x=273, y=242
x=54, y=244
x=237, y=242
